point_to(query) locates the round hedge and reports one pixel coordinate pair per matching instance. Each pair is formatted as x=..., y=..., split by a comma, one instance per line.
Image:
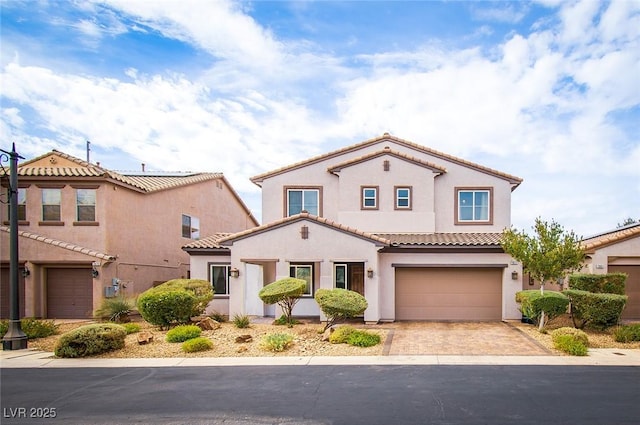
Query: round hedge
x=91, y=339
x=341, y=302
x=164, y=308
x=289, y=287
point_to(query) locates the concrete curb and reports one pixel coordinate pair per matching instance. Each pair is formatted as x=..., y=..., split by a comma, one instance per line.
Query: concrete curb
x=597, y=357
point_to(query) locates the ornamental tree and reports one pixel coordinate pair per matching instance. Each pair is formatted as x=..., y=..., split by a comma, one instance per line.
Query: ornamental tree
x=550, y=254
x=284, y=292
x=339, y=304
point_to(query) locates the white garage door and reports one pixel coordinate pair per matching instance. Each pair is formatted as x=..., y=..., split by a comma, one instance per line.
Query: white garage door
x=448, y=293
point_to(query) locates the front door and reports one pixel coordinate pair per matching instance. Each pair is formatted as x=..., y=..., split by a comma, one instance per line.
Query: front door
x=349, y=276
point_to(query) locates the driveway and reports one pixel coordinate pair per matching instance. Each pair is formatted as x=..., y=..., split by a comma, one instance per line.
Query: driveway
x=460, y=338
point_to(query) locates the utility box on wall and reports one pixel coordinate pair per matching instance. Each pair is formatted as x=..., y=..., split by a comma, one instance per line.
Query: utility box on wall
x=109, y=292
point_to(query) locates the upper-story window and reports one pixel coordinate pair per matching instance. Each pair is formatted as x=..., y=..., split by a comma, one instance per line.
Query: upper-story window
x=304, y=272
x=403, y=198
x=369, y=198
x=473, y=205
x=190, y=227
x=22, y=204
x=86, y=204
x=219, y=278
x=51, y=200
x=303, y=199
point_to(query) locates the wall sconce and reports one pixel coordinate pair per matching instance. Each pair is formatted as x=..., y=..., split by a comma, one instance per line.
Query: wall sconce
x=25, y=272
x=94, y=273
x=234, y=272
x=369, y=272
x=304, y=232
x=514, y=275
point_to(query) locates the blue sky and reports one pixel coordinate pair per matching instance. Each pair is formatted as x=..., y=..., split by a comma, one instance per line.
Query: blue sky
x=548, y=91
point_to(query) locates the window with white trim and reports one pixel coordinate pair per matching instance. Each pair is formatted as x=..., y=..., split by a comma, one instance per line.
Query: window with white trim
x=219, y=278
x=85, y=204
x=299, y=200
x=369, y=198
x=403, y=198
x=474, y=205
x=304, y=272
x=51, y=200
x=190, y=227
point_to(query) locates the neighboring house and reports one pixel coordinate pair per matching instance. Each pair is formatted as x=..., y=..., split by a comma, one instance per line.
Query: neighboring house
x=618, y=251
x=416, y=231
x=86, y=232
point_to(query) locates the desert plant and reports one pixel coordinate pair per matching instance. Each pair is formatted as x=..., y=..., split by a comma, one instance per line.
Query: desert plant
x=284, y=292
x=218, y=317
x=241, y=321
x=131, y=328
x=166, y=308
x=277, y=342
x=570, y=344
x=578, y=334
x=114, y=309
x=341, y=334
x=360, y=338
x=197, y=344
x=599, y=311
x=283, y=320
x=627, y=333
x=183, y=333
x=201, y=289
x=339, y=304
x=33, y=328
x=533, y=304
x=90, y=339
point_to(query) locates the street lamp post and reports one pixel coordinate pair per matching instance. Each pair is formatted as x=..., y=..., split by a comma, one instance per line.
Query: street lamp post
x=14, y=339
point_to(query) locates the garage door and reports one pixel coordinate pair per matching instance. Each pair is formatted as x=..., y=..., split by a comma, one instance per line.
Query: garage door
x=5, y=297
x=69, y=293
x=448, y=294
x=632, y=288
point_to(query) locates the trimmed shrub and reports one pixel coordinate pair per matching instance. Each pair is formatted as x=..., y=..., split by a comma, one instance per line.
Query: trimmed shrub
x=339, y=304
x=363, y=339
x=219, y=317
x=599, y=311
x=610, y=283
x=197, y=344
x=90, y=339
x=277, y=342
x=183, y=333
x=570, y=344
x=284, y=292
x=131, y=328
x=114, y=309
x=341, y=334
x=33, y=328
x=627, y=333
x=241, y=321
x=283, y=320
x=576, y=333
x=166, y=308
x=532, y=304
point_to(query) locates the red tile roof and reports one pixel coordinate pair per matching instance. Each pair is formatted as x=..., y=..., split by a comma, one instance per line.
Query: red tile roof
x=387, y=151
x=443, y=239
x=609, y=238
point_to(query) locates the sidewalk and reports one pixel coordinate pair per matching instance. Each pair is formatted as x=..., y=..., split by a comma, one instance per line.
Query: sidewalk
x=597, y=357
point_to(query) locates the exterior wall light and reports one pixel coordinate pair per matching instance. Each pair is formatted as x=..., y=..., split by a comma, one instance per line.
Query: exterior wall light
x=514, y=275
x=234, y=272
x=94, y=269
x=369, y=272
x=25, y=272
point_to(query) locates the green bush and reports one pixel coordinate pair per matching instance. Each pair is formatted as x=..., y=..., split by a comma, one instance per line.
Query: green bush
x=363, y=339
x=283, y=320
x=218, y=317
x=90, y=339
x=114, y=309
x=285, y=292
x=339, y=304
x=570, y=344
x=166, y=308
x=341, y=334
x=241, y=321
x=33, y=328
x=599, y=311
x=610, y=283
x=277, y=342
x=576, y=333
x=131, y=328
x=532, y=304
x=183, y=333
x=627, y=333
x=197, y=344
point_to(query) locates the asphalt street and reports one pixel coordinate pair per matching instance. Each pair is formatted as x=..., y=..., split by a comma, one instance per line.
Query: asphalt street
x=585, y=395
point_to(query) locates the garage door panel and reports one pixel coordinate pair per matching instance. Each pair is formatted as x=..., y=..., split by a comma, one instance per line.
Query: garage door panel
x=69, y=293
x=448, y=294
x=632, y=289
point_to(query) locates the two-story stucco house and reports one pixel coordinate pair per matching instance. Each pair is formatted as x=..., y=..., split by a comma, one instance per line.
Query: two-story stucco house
x=416, y=231
x=86, y=232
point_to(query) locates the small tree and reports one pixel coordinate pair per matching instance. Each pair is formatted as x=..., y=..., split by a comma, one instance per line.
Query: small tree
x=339, y=304
x=284, y=292
x=551, y=253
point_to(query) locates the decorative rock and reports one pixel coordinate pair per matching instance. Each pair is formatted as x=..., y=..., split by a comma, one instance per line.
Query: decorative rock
x=327, y=333
x=145, y=337
x=241, y=349
x=243, y=339
x=208, y=324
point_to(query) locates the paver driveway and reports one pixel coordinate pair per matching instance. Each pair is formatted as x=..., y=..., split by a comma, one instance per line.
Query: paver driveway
x=461, y=338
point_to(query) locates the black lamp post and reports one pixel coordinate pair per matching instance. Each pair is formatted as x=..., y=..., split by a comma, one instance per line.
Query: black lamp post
x=14, y=339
